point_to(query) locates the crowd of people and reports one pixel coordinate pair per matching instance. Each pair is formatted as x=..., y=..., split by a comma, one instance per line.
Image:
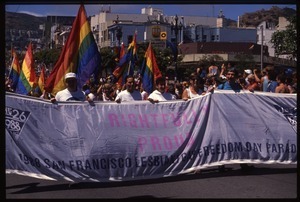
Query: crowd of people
x=200, y=82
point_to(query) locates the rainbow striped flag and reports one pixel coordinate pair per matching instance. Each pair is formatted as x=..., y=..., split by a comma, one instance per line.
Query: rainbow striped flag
x=15, y=70
x=127, y=62
x=41, y=82
x=27, y=76
x=132, y=55
x=150, y=71
x=79, y=55
x=118, y=72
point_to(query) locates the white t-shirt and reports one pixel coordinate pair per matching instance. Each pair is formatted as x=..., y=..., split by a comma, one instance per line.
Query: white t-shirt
x=66, y=95
x=126, y=96
x=156, y=95
x=192, y=95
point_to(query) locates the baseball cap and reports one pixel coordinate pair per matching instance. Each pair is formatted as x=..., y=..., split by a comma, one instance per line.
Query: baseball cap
x=70, y=75
x=248, y=71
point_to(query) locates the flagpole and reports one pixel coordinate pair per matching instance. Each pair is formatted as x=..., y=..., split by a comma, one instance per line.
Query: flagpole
x=12, y=56
x=11, y=66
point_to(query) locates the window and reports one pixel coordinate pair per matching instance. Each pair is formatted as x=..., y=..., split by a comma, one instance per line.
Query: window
x=156, y=31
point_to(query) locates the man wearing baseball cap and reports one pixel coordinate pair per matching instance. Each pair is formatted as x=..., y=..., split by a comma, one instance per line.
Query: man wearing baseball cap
x=71, y=93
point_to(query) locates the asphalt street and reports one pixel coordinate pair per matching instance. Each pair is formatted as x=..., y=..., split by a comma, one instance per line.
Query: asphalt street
x=275, y=181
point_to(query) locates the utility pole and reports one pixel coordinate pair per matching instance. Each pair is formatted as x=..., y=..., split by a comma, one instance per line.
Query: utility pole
x=176, y=27
x=118, y=34
x=261, y=48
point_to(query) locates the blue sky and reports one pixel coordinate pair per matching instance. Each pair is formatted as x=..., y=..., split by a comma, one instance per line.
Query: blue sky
x=231, y=11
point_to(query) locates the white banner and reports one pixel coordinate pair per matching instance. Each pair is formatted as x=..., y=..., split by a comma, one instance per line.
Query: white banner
x=102, y=141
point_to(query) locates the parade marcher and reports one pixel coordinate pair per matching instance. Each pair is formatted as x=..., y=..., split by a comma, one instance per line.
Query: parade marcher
x=281, y=87
x=160, y=94
x=71, y=92
x=108, y=93
x=195, y=89
x=130, y=93
x=230, y=83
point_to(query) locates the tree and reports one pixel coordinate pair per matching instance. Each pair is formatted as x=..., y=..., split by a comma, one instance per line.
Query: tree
x=244, y=61
x=109, y=60
x=285, y=41
x=48, y=56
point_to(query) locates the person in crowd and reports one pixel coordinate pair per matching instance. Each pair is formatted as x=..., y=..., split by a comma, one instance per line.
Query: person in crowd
x=108, y=93
x=172, y=90
x=185, y=85
x=178, y=90
x=224, y=68
x=210, y=84
x=143, y=92
x=265, y=78
x=281, y=87
x=130, y=93
x=160, y=94
x=247, y=73
x=118, y=88
x=231, y=83
x=89, y=91
x=291, y=82
x=213, y=70
x=201, y=72
x=71, y=92
x=253, y=85
x=272, y=84
x=195, y=89
x=258, y=77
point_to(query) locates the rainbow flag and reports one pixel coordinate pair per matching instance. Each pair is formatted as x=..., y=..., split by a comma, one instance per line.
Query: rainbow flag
x=79, y=55
x=118, y=72
x=27, y=76
x=41, y=82
x=15, y=70
x=132, y=55
x=150, y=71
x=127, y=62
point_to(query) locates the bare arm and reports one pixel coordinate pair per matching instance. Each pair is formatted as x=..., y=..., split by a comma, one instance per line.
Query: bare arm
x=223, y=68
x=185, y=95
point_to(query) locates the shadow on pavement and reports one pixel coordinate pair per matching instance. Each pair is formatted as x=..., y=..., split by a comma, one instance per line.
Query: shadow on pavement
x=204, y=174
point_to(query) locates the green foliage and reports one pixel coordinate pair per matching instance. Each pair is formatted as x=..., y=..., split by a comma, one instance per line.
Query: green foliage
x=164, y=58
x=255, y=18
x=244, y=61
x=48, y=56
x=208, y=60
x=285, y=41
x=109, y=59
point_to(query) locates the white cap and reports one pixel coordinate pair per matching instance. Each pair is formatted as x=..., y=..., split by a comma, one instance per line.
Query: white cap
x=248, y=71
x=70, y=75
